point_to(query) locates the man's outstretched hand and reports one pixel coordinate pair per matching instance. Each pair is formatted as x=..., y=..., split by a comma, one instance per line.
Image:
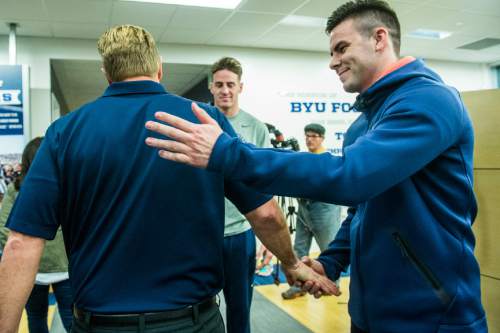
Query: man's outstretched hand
x=186, y=142
x=312, y=286
x=304, y=275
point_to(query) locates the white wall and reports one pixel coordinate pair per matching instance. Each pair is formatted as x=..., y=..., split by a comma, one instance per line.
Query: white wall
x=273, y=78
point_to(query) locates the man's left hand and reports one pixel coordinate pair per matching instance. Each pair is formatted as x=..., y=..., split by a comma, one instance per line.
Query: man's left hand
x=188, y=142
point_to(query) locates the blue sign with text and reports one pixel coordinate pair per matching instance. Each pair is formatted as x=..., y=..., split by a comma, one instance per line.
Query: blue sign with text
x=11, y=102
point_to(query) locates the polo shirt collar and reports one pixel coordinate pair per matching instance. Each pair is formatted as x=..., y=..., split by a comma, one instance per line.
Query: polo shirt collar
x=134, y=87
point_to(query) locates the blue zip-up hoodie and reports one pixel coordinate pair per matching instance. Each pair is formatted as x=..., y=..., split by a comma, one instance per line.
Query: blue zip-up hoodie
x=407, y=170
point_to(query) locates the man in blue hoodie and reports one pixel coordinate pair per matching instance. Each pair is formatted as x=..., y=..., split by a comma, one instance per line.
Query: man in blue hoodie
x=406, y=171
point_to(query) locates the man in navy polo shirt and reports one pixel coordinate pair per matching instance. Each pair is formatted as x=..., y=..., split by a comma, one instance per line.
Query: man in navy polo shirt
x=143, y=235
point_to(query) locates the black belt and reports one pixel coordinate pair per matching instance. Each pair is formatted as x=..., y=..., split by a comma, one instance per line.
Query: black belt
x=89, y=318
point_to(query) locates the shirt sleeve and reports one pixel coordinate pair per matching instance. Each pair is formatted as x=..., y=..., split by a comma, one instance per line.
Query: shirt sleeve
x=408, y=137
x=36, y=210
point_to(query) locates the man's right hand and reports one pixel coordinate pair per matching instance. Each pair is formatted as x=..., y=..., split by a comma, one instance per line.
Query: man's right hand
x=311, y=286
x=305, y=275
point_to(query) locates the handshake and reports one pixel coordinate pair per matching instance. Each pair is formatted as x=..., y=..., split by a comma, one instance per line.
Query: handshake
x=310, y=275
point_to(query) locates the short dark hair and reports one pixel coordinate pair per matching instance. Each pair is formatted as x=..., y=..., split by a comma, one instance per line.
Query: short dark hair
x=315, y=128
x=370, y=14
x=26, y=160
x=228, y=63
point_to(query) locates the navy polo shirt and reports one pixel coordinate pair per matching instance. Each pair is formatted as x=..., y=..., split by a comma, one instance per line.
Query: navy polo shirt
x=142, y=234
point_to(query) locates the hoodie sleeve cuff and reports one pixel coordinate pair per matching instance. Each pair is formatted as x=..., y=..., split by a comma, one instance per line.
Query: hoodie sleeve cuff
x=219, y=160
x=331, y=270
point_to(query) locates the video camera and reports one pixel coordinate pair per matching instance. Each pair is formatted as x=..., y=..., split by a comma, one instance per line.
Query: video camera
x=279, y=139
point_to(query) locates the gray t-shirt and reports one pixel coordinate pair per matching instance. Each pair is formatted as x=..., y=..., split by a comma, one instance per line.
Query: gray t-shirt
x=250, y=130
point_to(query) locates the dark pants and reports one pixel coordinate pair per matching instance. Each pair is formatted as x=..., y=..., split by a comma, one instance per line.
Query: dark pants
x=209, y=321
x=38, y=305
x=239, y=270
x=356, y=329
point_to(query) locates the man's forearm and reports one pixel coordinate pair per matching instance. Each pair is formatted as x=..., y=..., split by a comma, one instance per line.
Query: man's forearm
x=20, y=260
x=270, y=226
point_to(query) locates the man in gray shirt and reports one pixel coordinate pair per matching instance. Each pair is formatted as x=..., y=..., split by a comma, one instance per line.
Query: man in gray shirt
x=239, y=239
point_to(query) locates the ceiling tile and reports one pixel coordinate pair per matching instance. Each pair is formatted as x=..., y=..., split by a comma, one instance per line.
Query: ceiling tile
x=187, y=36
x=95, y=11
x=125, y=12
x=403, y=7
x=274, y=6
x=444, y=49
x=432, y=17
x=18, y=10
x=251, y=23
x=324, y=8
x=294, y=31
x=486, y=7
x=156, y=31
x=316, y=41
x=78, y=30
x=319, y=8
x=468, y=20
x=233, y=38
x=199, y=18
x=427, y=46
x=442, y=19
x=486, y=26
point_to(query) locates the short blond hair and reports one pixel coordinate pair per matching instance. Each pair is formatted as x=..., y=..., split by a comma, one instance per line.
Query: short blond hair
x=128, y=51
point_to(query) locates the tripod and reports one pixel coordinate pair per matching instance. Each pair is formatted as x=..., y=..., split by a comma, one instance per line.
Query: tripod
x=288, y=207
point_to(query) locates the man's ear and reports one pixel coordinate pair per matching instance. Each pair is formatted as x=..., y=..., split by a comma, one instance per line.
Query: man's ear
x=381, y=37
x=106, y=75
x=241, y=86
x=160, y=72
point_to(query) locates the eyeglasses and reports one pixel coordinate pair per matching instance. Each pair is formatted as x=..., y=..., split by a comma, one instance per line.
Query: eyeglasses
x=313, y=136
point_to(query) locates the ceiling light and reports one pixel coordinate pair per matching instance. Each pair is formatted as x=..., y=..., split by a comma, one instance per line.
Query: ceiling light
x=429, y=34
x=303, y=21
x=227, y=4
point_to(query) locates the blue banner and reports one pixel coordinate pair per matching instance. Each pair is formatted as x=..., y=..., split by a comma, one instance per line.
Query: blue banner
x=11, y=100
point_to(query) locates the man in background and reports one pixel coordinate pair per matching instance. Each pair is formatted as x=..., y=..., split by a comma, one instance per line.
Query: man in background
x=315, y=219
x=239, y=239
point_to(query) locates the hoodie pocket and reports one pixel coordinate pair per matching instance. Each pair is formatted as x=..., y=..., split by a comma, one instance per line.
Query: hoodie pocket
x=424, y=271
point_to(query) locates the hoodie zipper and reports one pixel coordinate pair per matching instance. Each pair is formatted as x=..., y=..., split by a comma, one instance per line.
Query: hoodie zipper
x=407, y=252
